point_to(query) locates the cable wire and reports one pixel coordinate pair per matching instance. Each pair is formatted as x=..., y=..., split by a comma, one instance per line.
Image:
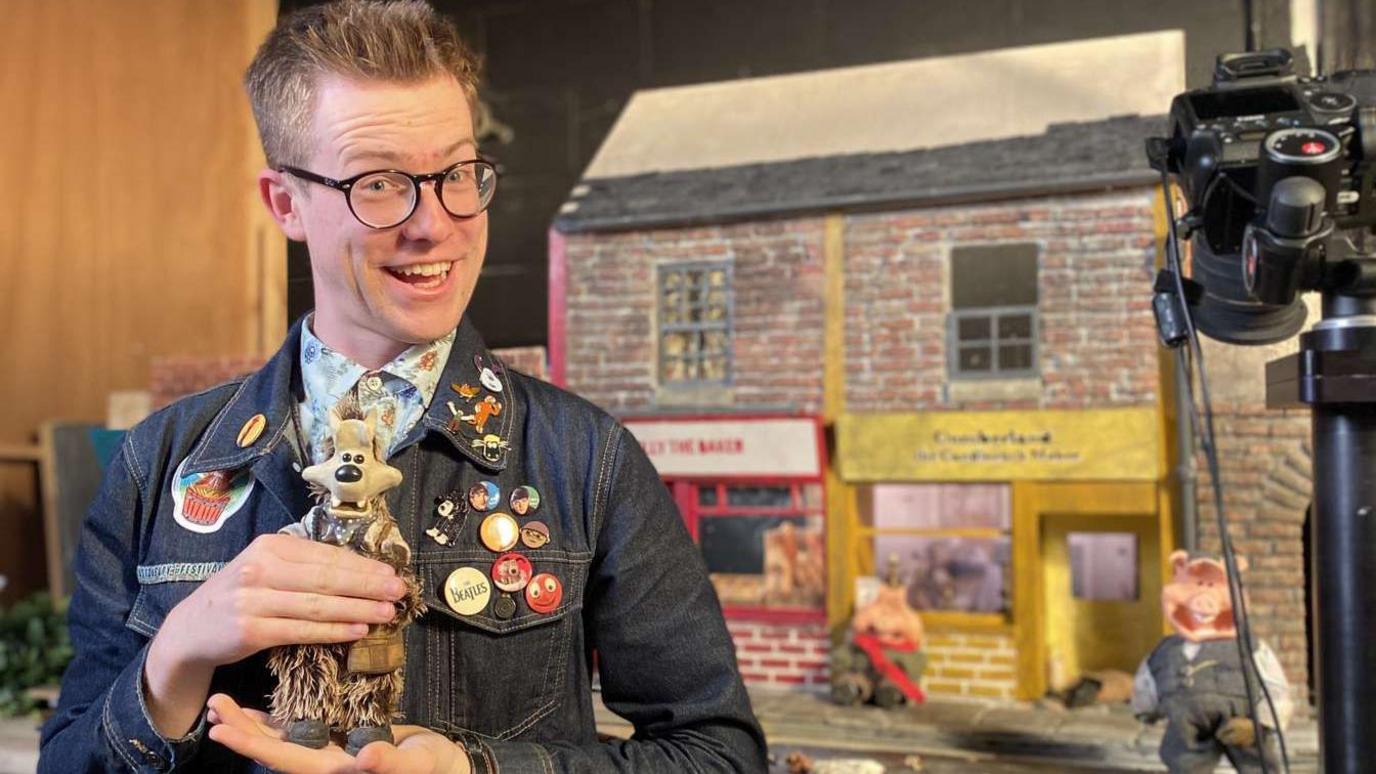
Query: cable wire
x=1204, y=431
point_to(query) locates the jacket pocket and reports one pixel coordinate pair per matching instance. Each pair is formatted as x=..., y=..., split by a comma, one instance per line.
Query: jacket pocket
x=161, y=588
x=503, y=675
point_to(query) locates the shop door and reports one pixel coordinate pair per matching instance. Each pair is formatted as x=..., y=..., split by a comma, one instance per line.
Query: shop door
x=1102, y=592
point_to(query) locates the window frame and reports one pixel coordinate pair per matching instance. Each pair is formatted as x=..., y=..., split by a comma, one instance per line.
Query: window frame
x=685, y=491
x=726, y=325
x=955, y=316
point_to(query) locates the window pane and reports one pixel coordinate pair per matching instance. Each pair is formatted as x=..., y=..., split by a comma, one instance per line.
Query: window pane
x=759, y=496
x=707, y=495
x=975, y=359
x=964, y=574
x=1103, y=566
x=1016, y=357
x=1015, y=326
x=994, y=275
x=765, y=561
x=937, y=506
x=973, y=328
x=714, y=369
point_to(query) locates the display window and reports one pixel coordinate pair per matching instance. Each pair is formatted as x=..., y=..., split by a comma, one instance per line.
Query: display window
x=950, y=543
x=764, y=545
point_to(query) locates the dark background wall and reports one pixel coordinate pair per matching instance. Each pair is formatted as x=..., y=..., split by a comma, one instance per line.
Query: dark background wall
x=558, y=73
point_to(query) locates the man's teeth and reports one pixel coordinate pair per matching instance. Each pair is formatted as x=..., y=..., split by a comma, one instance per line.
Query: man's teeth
x=439, y=268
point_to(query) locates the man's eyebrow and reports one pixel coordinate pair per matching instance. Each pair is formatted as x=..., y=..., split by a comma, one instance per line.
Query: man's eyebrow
x=395, y=158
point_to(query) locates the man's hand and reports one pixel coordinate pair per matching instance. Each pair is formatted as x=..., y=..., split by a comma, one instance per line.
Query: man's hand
x=280, y=590
x=249, y=733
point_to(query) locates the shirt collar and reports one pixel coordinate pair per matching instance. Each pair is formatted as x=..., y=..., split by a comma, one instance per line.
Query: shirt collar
x=329, y=374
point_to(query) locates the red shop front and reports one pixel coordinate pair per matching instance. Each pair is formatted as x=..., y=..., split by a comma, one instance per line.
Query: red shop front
x=752, y=493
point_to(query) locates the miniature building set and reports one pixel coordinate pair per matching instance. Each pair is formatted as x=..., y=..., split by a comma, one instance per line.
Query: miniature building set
x=964, y=323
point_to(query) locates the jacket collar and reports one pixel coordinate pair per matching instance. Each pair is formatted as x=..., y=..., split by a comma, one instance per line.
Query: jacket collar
x=269, y=391
x=447, y=412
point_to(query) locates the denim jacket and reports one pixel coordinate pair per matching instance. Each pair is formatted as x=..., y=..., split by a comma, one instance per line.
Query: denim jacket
x=516, y=692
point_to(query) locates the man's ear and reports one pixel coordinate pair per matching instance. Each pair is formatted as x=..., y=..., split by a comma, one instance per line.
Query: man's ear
x=281, y=199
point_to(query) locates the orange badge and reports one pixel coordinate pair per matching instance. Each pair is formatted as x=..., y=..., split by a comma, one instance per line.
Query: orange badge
x=252, y=430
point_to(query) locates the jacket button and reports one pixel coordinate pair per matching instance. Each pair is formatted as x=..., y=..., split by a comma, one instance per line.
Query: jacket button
x=505, y=607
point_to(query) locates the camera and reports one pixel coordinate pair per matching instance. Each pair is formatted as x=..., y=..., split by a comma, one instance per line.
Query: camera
x=1272, y=165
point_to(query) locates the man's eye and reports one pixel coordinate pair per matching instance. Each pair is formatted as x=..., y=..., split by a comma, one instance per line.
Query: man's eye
x=458, y=175
x=379, y=186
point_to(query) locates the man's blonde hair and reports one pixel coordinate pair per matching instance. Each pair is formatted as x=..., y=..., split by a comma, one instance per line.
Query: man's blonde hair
x=405, y=41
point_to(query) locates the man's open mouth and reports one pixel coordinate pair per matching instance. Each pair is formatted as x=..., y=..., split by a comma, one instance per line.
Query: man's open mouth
x=422, y=275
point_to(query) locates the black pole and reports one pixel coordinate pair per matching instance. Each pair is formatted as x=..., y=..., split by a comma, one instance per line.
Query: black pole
x=1333, y=373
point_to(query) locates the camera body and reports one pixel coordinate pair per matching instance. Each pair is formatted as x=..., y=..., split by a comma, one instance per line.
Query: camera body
x=1239, y=149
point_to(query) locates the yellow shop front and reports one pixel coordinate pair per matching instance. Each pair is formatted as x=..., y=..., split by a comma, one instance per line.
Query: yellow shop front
x=1032, y=542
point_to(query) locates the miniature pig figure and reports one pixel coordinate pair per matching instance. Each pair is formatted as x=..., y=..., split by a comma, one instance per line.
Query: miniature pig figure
x=354, y=688
x=883, y=661
x=1194, y=678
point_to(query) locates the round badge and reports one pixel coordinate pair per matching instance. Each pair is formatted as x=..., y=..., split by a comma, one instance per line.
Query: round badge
x=544, y=592
x=490, y=380
x=524, y=500
x=467, y=590
x=511, y=572
x=499, y=532
x=534, y=534
x=484, y=496
x=504, y=607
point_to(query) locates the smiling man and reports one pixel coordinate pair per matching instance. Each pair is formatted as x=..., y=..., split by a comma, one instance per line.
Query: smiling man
x=184, y=581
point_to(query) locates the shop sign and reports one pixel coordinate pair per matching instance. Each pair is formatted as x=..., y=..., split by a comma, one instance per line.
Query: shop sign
x=776, y=446
x=1100, y=444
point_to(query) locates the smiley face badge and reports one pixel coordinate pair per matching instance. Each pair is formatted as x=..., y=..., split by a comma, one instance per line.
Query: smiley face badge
x=544, y=593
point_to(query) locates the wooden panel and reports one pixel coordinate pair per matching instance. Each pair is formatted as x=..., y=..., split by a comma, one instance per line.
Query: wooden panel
x=126, y=217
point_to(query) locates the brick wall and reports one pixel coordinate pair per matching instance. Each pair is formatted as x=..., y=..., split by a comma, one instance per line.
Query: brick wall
x=970, y=664
x=783, y=655
x=1264, y=459
x=1097, y=344
x=776, y=316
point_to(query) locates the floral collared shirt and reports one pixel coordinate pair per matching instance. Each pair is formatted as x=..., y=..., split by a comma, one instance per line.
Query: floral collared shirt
x=401, y=391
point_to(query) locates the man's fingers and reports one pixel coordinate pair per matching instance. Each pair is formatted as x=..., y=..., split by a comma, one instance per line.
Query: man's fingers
x=383, y=758
x=271, y=632
x=299, y=551
x=308, y=606
x=332, y=580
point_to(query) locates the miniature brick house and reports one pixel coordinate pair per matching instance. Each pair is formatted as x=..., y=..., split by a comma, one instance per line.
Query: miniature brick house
x=966, y=327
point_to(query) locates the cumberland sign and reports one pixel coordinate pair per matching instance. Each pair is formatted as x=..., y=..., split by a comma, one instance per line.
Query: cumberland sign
x=1102, y=444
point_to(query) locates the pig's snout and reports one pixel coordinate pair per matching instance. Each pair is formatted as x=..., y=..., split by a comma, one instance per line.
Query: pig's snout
x=348, y=474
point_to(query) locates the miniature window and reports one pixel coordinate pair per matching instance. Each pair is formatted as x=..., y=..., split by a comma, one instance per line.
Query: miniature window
x=1103, y=566
x=951, y=543
x=695, y=324
x=764, y=545
x=992, y=328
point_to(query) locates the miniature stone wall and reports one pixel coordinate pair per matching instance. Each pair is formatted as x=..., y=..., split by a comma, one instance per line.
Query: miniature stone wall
x=783, y=655
x=971, y=664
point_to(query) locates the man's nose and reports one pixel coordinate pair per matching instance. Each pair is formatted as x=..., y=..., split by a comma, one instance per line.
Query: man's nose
x=430, y=221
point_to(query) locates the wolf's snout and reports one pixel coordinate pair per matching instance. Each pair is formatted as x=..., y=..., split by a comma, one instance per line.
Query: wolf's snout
x=348, y=474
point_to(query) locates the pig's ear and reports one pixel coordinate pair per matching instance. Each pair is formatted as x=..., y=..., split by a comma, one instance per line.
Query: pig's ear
x=370, y=421
x=334, y=422
x=1179, y=561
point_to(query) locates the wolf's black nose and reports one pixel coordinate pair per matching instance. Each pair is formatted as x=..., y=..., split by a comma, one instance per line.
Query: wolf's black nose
x=348, y=474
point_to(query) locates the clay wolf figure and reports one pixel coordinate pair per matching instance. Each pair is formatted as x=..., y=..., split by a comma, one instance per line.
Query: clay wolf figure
x=352, y=688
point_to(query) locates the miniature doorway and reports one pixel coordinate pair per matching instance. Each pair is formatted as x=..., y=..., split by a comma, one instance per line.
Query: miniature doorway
x=1090, y=597
x=1101, y=583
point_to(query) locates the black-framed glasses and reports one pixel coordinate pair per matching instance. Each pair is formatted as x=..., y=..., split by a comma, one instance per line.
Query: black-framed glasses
x=385, y=198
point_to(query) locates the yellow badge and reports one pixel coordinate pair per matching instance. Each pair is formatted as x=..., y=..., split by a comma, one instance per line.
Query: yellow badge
x=252, y=430
x=467, y=590
x=499, y=532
